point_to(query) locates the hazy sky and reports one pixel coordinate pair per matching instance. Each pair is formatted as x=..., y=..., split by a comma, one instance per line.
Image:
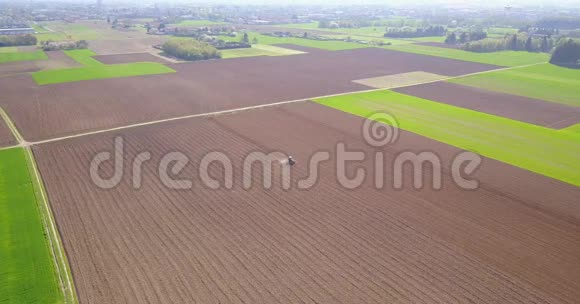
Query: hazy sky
x=386, y=2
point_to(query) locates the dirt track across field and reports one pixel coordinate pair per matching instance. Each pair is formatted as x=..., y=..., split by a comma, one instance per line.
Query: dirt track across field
x=524, y=109
x=130, y=58
x=43, y=112
x=514, y=240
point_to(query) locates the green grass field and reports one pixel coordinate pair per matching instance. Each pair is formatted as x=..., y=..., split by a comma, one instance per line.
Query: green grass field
x=370, y=31
x=506, y=58
x=369, y=39
x=9, y=49
x=94, y=69
x=544, y=81
x=258, y=50
x=27, y=273
x=542, y=150
x=67, y=31
x=198, y=23
x=429, y=39
x=84, y=57
x=22, y=56
x=39, y=28
x=325, y=45
x=100, y=72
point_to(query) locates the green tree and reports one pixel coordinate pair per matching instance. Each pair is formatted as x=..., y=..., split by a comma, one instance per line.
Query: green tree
x=451, y=39
x=245, y=39
x=567, y=53
x=513, y=42
x=545, y=45
x=529, y=44
x=463, y=37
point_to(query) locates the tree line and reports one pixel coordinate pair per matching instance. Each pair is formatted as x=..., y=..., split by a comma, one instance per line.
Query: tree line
x=64, y=45
x=190, y=49
x=18, y=40
x=515, y=42
x=464, y=37
x=407, y=32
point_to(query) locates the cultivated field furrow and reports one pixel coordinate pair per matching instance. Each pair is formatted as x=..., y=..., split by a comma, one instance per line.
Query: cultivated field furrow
x=325, y=245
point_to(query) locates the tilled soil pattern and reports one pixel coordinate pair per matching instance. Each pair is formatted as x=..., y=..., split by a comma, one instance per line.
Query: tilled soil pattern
x=516, y=239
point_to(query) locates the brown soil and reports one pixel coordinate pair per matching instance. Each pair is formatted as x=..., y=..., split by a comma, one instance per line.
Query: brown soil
x=524, y=109
x=130, y=58
x=126, y=46
x=18, y=68
x=6, y=137
x=43, y=112
x=514, y=240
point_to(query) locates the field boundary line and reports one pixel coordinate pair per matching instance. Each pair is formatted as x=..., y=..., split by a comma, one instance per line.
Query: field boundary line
x=60, y=260
x=154, y=122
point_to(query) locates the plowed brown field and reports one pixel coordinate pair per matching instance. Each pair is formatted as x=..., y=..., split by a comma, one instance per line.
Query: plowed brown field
x=6, y=138
x=524, y=109
x=514, y=240
x=49, y=111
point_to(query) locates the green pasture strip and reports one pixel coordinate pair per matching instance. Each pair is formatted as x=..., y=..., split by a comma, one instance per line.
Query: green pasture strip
x=544, y=81
x=9, y=49
x=325, y=45
x=305, y=26
x=70, y=31
x=369, y=39
x=428, y=39
x=258, y=50
x=573, y=129
x=501, y=31
x=52, y=36
x=505, y=58
x=100, y=72
x=542, y=150
x=369, y=31
x=84, y=57
x=39, y=28
x=22, y=56
x=27, y=271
